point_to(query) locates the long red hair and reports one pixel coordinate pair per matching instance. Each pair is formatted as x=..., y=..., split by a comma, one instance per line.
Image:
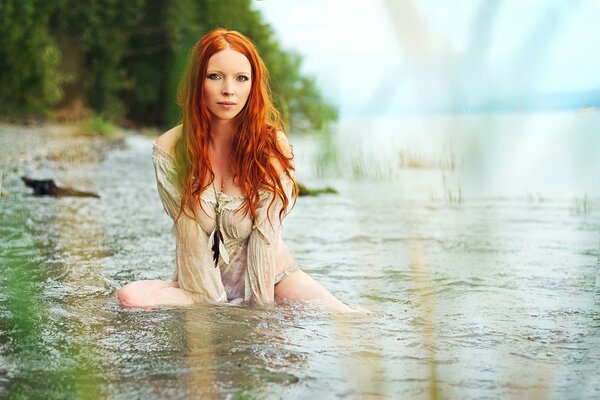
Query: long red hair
x=254, y=146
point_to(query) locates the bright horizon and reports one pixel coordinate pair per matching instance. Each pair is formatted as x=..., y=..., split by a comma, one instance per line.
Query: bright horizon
x=387, y=57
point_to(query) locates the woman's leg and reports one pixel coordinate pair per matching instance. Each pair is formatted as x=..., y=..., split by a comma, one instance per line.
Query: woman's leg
x=300, y=287
x=141, y=294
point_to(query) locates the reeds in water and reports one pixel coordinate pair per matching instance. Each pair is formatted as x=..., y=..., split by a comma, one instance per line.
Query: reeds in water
x=581, y=205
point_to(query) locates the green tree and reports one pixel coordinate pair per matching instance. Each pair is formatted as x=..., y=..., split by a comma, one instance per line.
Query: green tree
x=29, y=79
x=125, y=59
x=101, y=29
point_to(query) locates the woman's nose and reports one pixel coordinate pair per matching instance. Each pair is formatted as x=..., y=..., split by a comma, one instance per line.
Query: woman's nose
x=227, y=89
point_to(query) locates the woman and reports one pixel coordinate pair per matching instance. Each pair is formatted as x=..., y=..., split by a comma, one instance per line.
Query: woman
x=225, y=178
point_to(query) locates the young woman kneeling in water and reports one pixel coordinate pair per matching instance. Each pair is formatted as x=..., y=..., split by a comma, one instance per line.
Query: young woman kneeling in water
x=225, y=178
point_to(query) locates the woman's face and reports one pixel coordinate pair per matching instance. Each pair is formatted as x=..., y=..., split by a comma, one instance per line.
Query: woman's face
x=227, y=83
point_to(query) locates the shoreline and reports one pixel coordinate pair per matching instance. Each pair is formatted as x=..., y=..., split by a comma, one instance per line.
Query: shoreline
x=48, y=151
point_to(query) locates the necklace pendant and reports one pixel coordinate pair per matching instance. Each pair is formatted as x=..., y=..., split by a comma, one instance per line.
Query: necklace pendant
x=216, y=246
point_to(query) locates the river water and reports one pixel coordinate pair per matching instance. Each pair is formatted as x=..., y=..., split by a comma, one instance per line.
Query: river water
x=472, y=240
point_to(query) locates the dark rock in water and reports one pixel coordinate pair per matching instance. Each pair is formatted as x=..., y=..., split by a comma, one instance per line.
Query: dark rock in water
x=47, y=187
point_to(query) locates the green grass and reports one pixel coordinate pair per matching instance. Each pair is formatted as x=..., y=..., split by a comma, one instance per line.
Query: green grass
x=99, y=126
x=304, y=191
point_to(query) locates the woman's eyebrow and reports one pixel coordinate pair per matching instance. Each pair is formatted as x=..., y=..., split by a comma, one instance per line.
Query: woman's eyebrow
x=221, y=72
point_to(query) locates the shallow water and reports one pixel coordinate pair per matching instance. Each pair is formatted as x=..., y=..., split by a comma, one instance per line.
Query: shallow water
x=492, y=296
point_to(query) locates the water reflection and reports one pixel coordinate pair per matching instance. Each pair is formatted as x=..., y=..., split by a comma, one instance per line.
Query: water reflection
x=202, y=337
x=491, y=296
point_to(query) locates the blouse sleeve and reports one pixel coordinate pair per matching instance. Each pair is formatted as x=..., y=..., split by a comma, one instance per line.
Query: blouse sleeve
x=262, y=247
x=166, y=182
x=194, y=271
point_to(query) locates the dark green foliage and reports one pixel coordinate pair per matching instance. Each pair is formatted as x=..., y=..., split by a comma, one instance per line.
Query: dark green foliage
x=29, y=79
x=147, y=64
x=125, y=59
x=101, y=30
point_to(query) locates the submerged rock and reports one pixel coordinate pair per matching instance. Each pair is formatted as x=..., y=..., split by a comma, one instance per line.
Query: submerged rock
x=47, y=187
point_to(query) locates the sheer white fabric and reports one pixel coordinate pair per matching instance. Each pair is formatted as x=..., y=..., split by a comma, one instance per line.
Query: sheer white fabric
x=258, y=256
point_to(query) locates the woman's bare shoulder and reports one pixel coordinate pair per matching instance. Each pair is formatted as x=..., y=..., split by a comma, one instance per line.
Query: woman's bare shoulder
x=284, y=146
x=168, y=140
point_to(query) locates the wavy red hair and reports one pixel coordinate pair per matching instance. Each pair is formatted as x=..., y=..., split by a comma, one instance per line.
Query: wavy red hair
x=255, y=147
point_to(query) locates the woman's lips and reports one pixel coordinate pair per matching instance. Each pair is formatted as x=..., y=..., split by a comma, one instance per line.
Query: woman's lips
x=226, y=104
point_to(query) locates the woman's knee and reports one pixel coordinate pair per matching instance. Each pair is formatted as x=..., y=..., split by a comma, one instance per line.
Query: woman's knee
x=299, y=286
x=151, y=293
x=126, y=295
x=134, y=294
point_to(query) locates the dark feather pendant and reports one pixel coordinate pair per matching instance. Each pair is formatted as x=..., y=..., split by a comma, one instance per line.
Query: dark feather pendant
x=215, y=246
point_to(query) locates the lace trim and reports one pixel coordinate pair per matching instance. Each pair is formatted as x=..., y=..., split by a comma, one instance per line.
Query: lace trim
x=210, y=196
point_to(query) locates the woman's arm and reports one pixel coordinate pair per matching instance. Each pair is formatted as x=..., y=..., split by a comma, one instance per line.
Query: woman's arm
x=266, y=236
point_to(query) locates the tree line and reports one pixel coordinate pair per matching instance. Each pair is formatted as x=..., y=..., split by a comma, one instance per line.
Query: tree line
x=123, y=59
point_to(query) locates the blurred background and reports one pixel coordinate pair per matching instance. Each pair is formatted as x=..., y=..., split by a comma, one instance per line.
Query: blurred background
x=458, y=142
x=401, y=82
x=123, y=60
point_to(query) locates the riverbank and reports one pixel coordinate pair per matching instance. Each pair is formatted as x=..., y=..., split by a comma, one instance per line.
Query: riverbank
x=49, y=151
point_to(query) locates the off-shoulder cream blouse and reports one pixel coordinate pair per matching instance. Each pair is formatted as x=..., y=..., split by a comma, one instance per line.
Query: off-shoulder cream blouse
x=258, y=258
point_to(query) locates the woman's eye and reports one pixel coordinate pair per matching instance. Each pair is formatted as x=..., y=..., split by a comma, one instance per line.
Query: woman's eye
x=213, y=76
x=243, y=78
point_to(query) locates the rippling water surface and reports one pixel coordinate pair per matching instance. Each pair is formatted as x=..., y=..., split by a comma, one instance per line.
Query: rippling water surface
x=473, y=293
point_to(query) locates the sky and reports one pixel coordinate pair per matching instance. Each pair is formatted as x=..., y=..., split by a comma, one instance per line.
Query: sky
x=381, y=57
